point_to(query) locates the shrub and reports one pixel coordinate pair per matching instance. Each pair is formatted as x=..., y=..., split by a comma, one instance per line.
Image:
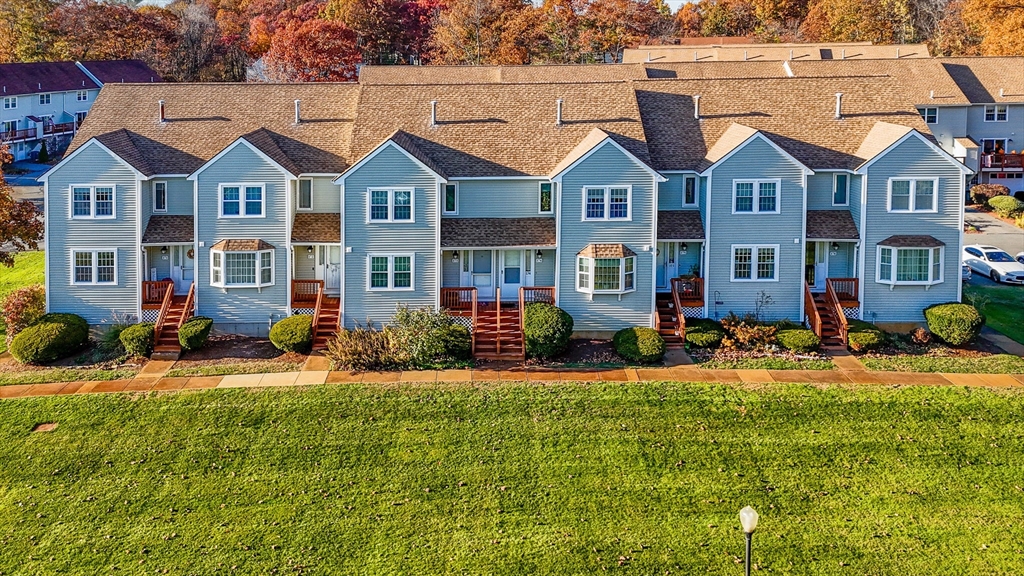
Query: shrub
x=980, y=193
x=137, y=339
x=546, y=330
x=293, y=334
x=23, y=307
x=44, y=154
x=747, y=333
x=1019, y=221
x=458, y=342
x=864, y=336
x=1019, y=195
x=798, y=340
x=49, y=338
x=920, y=336
x=955, y=323
x=363, y=348
x=639, y=344
x=426, y=338
x=193, y=334
x=704, y=333
x=1006, y=206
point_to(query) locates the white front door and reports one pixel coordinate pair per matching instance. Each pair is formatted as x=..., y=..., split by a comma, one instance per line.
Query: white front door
x=481, y=271
x=667, y=267
x=511, y=273
x=182, y=268
x=816, y=265
x=332, y=273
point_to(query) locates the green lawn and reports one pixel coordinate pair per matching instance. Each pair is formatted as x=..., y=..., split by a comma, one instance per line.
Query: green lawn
x=766, y=364
x=251, y=367
x=623, y=479
x=28, y=269
x=1002, y=305
x=65, y=375
x=994, y=364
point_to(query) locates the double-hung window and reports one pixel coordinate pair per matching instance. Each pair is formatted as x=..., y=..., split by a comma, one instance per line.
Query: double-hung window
x=450, y=199
x=248, y=269
x=304, y=201
x=690, y=191
x=44, y=99
x=389, y=272
x=909, y=266
x=546, y=202
x=913, y=195
x=93, y=267
x=755, y=196
x=929, y=115
x=840, y=189
x=92, y=202
x=607, y=203
x=606, y=275
x=82, y=95
x=390, y=205
x=10, y=102
x=159, y=196
x=995, y=113
x=242, y=201
x=755, y=262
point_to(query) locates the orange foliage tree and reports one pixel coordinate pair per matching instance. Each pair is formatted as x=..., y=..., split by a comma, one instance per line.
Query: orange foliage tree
x=20, y=225
x=310, y=49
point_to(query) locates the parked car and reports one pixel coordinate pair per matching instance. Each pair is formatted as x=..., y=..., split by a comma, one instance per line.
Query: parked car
x=994, y=263
x=965, y=272
x=1020, y=257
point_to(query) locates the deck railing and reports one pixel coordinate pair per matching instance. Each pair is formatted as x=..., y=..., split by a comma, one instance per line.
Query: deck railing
x=304, y=292
x=190, y=305
x=530, y=294
x=497, y=319
x=16, y=135
x=1003, y=160
x=153, y=292
x=678, y=287
x=837, y=308
x=316, y=309
x=691, y=290
x=164, y=307
x=56, y=129
x=811, y=310
x=847, y=291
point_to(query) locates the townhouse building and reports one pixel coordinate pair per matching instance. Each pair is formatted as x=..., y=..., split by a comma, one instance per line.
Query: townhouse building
x=644, y=199
x=49, y=100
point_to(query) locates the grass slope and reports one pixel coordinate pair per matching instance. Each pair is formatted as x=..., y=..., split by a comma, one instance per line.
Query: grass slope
x=628, y=479
x=28, y=269
x=994, y=364
x=1001, y=305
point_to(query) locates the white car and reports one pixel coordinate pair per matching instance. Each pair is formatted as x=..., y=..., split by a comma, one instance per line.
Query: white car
x=994, y=263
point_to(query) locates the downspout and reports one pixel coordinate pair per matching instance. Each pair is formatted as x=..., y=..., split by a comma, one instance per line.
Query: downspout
x=557, y=182
x=344, y=258
x=138, y=247
x=654, y=254
x=291, y=188
x=803, y=246
x=195, y=244
x=863, y=241
x=439, y=263
x=706, y=256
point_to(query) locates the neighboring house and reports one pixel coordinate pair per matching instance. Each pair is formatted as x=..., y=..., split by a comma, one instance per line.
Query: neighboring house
x=625, y=201
x=49, y=100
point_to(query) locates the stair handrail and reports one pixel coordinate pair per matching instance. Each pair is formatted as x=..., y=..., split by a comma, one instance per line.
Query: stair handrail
x=522, y=317
x=678, y=302
x=164, y=307
x=189, y=305
x=473, y=339
x=497, y=318
x=833, y=300
x=316, y=309
x=811, y=311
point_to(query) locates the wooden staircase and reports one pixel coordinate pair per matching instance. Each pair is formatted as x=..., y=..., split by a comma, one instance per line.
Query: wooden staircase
x=499, y=333
x=668, y=321
x=830, y=333
x=174, y=312
x=327, y=319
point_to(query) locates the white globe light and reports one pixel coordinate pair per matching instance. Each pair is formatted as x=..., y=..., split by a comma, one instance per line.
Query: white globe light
x=748, y=519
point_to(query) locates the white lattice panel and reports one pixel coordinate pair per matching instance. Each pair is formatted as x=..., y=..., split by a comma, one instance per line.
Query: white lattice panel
x=309, y=311
x=464, y=321
x=852, y=313
x=693, y=311
x=150, y=315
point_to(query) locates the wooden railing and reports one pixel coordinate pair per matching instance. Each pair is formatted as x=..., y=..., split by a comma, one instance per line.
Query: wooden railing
x=497, y=319
x=190, y=305
x=678, y=287
x=162, y=316
x=316, y=309
x=461, y=300
x=62, y=128
x=847, y=291
x=811, y=310
x=691, y=290
x=530, y=294
x=305, y=292
x=15, y=135
x=153, y=292
x=1004, y=160
x=833, y=300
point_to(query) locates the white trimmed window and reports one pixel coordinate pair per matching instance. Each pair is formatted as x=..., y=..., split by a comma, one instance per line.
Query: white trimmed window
x=390, y=205
x=690, y=191
x=450, y=199
x=242, y=201
x=840, y=189
x=159, y=196
x=909, y=266
x=546, y=200
x=44, y=99
x=389, y=272
x=304, y=200
x=10, y=102
x=92, y=202
x=755, y=196
x=929, y=115
x=995, y=113
x=8, y=126
x=82, y=95
x=93, y=267
x=755, y=263
x=242, y=269
x=605, y=275
x=913, y=195
x=608, y=203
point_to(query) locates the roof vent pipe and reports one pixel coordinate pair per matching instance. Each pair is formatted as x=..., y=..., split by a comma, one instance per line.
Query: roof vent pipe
x=843, y=54
x=696, y=106
x=931, y=94
x=1000, y=92
x=744, y=55
x=433, y=113
x=162, y=117
x=839, y=105
x=897, y=52
x=648, y=55
x=298, y=116
x=790, y=54
x=558, y=112
x=694, y=55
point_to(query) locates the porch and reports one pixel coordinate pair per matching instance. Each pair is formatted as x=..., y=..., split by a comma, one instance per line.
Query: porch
x=310, y=297
x=497, y=273
x=1002, y=161
x=828, y=313
x=496, y=325
x=316, y=263
x=169, y=263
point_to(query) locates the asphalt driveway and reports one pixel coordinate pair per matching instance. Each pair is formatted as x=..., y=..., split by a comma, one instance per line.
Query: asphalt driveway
x=993, y=232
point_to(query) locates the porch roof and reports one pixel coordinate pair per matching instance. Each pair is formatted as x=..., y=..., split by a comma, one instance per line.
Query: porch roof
x=317, y=228
x=680, y=225
x=831, y=225
x=494, y=232
x=168, y=229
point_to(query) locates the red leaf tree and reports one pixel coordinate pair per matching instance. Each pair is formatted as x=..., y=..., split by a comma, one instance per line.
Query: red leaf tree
x=312, y=51
x=20, y=225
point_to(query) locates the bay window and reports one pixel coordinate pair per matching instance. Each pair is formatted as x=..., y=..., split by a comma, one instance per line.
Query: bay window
x=241, y=269
x=755, y=263
x=606, y=275
x=920, y=266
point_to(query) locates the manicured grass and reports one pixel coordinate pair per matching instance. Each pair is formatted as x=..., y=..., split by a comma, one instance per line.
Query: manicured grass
x=766, y=364
x=64, y=375
x=628, y=479
x=1003, y=306
x=28, y=269
x=994, y=364
x=254, y=367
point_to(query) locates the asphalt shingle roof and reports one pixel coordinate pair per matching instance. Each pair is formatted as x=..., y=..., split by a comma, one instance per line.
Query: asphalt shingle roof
x=168, y=228
x=494, y=232
x=317, y=227
x=831, y=225
x=680, y=225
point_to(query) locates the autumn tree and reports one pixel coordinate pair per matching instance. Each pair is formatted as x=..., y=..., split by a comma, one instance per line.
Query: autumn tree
x=313, y=50
x=563, y=40
x=24, y=36
x=91, y=30
x=21, y=228
x=389, y=31
x=1001, y=23
x=955, y=36
x=613, y=25
x=484, y=32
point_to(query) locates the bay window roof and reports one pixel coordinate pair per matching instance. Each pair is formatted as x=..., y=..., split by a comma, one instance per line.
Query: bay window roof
x=606, y=251
x=911, y=241
x=241, y=246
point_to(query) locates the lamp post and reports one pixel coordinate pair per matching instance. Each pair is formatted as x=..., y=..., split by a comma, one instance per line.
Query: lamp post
x=748, y=520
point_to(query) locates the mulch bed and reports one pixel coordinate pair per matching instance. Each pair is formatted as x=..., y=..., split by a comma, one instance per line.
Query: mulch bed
x=90, y=358
x=902, y=345
x=581, y=353
x=234, y=349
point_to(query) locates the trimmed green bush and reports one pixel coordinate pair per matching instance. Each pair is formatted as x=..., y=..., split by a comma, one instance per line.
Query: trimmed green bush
x=137, y=339
x=193, y=334
x=428, y=338
x=639, y=344
x=293, y=334
x=51, y=337
x=798, y=340
x=1006, y=206
x=704, y=333
x=458, y=342
x=546, y=329
x=955, y=323
x=864, y=336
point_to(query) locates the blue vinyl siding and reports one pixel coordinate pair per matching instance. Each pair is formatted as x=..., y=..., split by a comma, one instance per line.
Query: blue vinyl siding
x=246, y=310
x=819, y=191
x=499, y=199
x=544, y=272
x=911, y=159
x=93, y=166
x=179, y=197
x=607, y=167
x=161, y=262
x=451, y=272
x=840, y=264
x=757, y=160
x=326, y=196
x=856, y=187
x=389, y=168
x=670, y=193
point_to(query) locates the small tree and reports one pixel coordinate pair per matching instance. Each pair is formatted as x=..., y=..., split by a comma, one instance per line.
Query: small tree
x=44, y=156
x=23, y=307
x=20, y=225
